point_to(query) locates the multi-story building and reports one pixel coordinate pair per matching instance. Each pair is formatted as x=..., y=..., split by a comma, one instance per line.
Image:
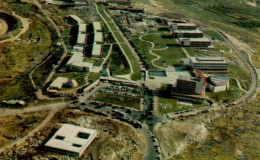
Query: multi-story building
x=188, y=89
x=184, y=26
x=209, y=64
x=120, y=2
x=195, y=42
x=187, y=34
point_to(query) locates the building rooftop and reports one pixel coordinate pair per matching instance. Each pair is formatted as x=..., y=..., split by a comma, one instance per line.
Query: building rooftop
x=81, y=38
x=98, y=37
x=97, y=26
x=76, y=57
x=96, y=51
x=208, y=60
x=187, y=31
x=82, y=64
x=76, y=18
x=58, y=82
x=72, y=138
x=82, y=27
x=185, y=24
x=219, y=79
x=195, y=39
x=77, y=49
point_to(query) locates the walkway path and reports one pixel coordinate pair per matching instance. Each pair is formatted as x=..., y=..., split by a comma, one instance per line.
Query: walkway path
x=25, y=23
x=150, y=51
x=238, y=83
x=53, y=109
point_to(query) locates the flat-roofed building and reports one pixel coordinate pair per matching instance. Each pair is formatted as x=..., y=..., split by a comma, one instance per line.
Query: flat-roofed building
x=82, y=28
x=77, y=49
x=58, y=83
x=98, y=37
x=188, y=89
x=81, y=39
x=195, y=42
x=71, y=139
x=76, y=18
x=187, y=34
x=96, y=50
x=184, y=26
x=209, y=64
x=189, y=86
x=76, y=63
x=218, y=83
x=97, y=26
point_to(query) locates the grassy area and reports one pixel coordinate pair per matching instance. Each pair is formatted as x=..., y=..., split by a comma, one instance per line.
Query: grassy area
x=227, y=96
x=15, y=127
x=118, y=64
x=142, y=49
x=168, y=105
x=136, y=69
x=220, y=47
x=214, y=34
x=93, y=77
x=80, y=77
x=118, y=100
x=170, y=56
x=42, y=72
x=160, y=40
x=46, y=102
x=231, y=136
x=241, y=74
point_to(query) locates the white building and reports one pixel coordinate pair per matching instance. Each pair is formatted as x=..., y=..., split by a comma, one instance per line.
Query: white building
x=81, y=38
x=82, y=28
x=98, y=37
x=76, y=18
x=76, y=63
x=58, y=83
x=71, y=139
x=97, y=27
x=77, y=49
x=218, y=83
x=96, y=51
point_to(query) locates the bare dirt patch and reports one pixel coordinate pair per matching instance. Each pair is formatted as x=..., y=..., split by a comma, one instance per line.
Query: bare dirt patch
x=3, y=27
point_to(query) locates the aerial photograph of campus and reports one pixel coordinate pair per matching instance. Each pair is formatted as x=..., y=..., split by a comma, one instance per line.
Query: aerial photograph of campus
x=129, y=79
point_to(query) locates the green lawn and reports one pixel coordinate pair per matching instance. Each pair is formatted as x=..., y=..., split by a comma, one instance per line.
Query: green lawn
x=241, y=75
x=214, y=34
x=80, y=77
x=168, y=105
x=136, y=69
x=220, y=47
x=170, y=56
x=119, y=64
x=93, y=77
x=143, y=49
x=118, y=100
x=160, y=40
x=227, y=96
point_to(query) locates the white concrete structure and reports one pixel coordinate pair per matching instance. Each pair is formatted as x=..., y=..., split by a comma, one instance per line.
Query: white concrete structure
x=97, y=27
x=96, y=51
x=184, y=26
x=76, y=18
x=76, y=63
x=98, y=37
x=218, y=83
x=82, y=28
x=58, y=83
x=81, y=38
x=71, y=139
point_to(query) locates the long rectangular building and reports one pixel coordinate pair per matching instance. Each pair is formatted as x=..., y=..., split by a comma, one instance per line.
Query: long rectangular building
x=97, y=27
x=184, y=26
x=209, y=64
x=96, y=50
x=187, y=34
x=195, y=42
x=98, y=37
